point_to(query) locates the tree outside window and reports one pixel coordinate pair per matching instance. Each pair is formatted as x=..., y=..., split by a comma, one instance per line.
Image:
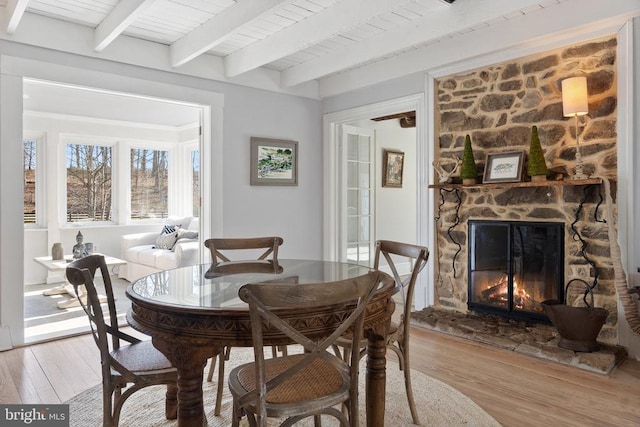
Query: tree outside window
x=149, y=183
x=29, y=158
x=88, y=183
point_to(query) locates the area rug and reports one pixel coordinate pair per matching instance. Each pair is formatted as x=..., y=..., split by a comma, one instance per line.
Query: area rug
x=438, y=403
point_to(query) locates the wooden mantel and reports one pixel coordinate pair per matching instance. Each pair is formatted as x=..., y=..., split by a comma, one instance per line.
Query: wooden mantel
x=553, y=183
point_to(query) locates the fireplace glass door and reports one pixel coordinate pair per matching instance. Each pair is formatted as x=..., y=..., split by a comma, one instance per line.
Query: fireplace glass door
x=514, y=266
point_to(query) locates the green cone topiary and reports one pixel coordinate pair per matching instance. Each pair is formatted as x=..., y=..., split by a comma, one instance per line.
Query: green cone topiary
x=536, y=165
x=468, y=170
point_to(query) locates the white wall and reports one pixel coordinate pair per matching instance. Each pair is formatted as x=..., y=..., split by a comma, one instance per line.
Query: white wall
x=292, y=212
x=396, y=207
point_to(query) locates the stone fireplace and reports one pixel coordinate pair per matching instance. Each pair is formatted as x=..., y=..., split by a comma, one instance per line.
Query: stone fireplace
x=497, y=106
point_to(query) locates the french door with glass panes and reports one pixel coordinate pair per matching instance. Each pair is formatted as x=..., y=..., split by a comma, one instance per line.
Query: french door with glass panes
x=357, y=222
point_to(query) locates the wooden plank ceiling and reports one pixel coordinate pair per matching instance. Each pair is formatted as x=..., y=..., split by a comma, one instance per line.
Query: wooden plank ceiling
x=301, y=40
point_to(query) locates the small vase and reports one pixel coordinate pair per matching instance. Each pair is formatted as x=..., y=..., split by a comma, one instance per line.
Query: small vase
x=57, y=252
x=469, y=181
x=538, y=178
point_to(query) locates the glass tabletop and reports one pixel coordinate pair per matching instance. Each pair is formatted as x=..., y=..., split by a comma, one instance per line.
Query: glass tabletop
x=211, y=286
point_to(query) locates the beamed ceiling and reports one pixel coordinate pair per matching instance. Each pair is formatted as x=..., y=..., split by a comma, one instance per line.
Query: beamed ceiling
x=304, y=46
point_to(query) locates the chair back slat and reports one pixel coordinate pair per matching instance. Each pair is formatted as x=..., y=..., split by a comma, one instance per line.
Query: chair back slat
x=219, y=247
x=81, y=274
x=418, y=256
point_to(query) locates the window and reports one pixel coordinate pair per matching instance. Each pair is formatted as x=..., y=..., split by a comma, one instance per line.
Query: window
x=88, y=183
x=149, y=183
x=30, y=165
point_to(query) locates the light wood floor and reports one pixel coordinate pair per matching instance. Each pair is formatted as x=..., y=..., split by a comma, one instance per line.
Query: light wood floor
x=516, y=390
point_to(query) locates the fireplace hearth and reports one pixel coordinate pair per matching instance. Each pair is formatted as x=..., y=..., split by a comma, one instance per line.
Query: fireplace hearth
x=532, y=339
x=514, y=266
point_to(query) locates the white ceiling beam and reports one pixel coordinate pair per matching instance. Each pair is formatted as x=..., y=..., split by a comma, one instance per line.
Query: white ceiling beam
x=312, y=30
x=117, y=21
x=219, y=28
x=13, y=11
x=459, y=16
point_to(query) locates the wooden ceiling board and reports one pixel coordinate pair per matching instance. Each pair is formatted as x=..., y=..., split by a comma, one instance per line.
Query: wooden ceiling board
x=211, y=7
x=313, y=7
x=407, y=13
x=89, y=13
x=291, y=14
x=298, y=13
x=167, y=21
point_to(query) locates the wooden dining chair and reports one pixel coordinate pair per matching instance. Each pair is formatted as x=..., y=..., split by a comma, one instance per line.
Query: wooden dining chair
x=219, y=247
x=314, y=381
x=260, y=248
x=398, y=338
x=126, y=368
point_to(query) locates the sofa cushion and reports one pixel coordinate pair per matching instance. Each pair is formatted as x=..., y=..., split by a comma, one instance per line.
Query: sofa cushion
x=132, y=254
x=166, y=241
x=166, y=260
x=150, y=256
x=179, y=221
x=194, y=224
x=187, y=234
x=168, y=229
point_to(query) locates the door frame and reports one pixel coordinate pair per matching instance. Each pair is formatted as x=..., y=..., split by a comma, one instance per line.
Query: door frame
x=331, y=123
x=12, y=71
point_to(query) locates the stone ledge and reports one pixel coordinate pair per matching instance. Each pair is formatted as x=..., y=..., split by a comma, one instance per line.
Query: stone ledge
x=532, y=339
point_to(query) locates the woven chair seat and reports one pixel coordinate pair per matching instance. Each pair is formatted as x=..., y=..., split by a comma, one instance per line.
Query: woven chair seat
x=142, y=357
x=318, y=379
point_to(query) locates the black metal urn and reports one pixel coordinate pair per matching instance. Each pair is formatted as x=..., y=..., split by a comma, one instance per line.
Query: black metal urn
x=578, y=326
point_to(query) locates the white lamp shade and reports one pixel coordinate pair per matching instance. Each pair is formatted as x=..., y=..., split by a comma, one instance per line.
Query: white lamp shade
x=574, y=97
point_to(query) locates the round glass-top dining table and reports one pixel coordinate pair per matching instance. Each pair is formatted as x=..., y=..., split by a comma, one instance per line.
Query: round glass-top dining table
x=192, y=313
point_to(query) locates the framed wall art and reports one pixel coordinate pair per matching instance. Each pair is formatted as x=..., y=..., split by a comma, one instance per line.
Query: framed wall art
x=274, y=162
x=504, y=167
x=392, y=167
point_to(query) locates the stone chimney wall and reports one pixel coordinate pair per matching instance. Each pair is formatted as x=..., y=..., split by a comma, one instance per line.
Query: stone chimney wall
x=497, y=106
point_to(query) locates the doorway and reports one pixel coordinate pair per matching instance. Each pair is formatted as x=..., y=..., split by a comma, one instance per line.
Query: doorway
x=337, y=202
x=62, y=120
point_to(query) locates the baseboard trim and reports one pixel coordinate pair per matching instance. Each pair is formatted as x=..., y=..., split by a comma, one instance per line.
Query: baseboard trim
x=5, y=339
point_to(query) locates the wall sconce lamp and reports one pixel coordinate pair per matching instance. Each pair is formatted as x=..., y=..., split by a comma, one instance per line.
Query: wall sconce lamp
x=574, y=104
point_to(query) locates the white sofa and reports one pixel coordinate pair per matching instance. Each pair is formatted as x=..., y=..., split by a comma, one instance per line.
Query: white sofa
x=144, y=257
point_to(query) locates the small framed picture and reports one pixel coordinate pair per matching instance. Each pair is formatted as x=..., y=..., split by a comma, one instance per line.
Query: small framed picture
x=504, y=167
x=274, y=162
x=393, y=164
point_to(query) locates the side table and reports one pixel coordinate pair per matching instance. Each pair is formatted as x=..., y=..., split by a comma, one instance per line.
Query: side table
x=58, y=266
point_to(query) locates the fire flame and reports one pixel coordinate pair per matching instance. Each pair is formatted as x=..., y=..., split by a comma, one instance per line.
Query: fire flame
x=499, y=292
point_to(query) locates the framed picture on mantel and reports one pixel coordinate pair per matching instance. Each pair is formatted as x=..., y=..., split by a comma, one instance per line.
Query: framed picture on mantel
x=503, y=167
